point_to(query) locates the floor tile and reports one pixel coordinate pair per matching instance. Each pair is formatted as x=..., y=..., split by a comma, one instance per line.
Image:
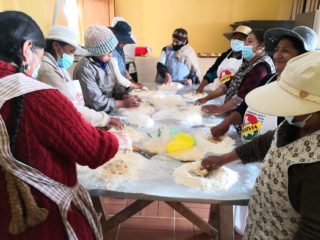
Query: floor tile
x=138, y=234
x=111, y=235
x=165, y=210
x=149, y=223
x=201, y=212
x=151, y=210
x=196, y=205
x=113, y=209
x=183, y=230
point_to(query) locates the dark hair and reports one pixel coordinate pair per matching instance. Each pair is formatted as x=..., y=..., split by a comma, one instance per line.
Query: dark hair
x=16, y=28
x=49, y=46
x=258, y=33
x=297, y=43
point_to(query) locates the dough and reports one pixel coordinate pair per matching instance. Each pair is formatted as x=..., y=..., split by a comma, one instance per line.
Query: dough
x=141, y=92
x=193, y=96
x=199, y=171
x=193, y=154
x=172, y=87
x=135, y=135
x=142, y=109
x=158, y=141
x=160, y=100
x=222, y=146
x=217, y=180
x=118, y=167
x=140, y=120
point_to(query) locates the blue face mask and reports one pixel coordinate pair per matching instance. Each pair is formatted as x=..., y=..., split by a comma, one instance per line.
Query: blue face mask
x=297, y=124
x=65, y=61
x=236, y=45
x=247, y=52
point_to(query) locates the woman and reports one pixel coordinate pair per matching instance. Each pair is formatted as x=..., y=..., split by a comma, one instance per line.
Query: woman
x=285, y=198
x=43, y=137
x=96, y=74
x=256, y=66
x=285, y=44
x=229, y=62
x=61, y=45
x=178, y=61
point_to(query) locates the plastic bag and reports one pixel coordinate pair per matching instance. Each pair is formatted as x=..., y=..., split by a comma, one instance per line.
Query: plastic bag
x=180, y=142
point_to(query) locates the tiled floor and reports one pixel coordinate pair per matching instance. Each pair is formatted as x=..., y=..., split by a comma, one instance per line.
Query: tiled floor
x=157, y=221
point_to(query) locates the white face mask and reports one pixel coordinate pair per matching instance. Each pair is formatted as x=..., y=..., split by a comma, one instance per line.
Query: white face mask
x=300, y=124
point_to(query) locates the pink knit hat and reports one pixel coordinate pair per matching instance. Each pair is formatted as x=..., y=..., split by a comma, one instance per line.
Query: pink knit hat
x=99, y=40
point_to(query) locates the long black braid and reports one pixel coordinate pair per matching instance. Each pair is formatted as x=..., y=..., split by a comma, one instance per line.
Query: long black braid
x=15, y=29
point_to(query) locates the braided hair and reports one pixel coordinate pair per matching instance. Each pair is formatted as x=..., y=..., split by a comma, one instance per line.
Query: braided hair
x=16, y=28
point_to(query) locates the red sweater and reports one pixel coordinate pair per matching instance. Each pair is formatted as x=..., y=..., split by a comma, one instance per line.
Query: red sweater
x=52, y=138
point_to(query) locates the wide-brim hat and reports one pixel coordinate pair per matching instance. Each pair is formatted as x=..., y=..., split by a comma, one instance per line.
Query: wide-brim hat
x=122, y=31
x=297, y=92
x=240, y=29
x=65, y=34
x=306, y=35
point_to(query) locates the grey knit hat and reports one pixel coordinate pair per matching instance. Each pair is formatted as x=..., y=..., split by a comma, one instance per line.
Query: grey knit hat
x=99, y=40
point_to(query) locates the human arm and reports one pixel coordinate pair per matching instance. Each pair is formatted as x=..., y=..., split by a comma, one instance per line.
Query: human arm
x=214, y=94
x=203, y=83
x=223, y=127
x=304, y=196
x=214, y=109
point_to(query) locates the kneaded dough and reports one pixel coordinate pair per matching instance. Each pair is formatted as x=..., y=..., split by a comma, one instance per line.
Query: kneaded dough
x=199, y=171
x=160, y=99
x=217, y=180
x=141, y=92
x=172, y=87
x=192, y=96
x=225, y=144
x=118, y=167
x=193, y=154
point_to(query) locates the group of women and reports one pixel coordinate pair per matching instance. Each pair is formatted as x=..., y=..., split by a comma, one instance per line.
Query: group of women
x=44, y=135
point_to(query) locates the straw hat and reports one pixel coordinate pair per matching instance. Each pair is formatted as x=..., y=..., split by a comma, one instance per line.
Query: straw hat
x=65, y=34
x=240, y=29
x=297, y=92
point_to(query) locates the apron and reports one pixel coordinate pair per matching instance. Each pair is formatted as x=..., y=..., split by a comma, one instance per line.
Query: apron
x=255, y=123
x=16, y=85
x=227, y=68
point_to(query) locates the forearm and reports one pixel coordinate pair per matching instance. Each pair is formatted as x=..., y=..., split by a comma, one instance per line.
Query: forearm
x=216, y=93
x=203, y=83
x=230, y=105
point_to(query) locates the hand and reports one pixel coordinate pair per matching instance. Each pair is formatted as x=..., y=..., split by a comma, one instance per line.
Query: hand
x=201, y=101
x=210, y=109
x=131, y=101
x=199, y=90
x=137, y=85
x=213, y=162
x=116, y=123
x=167, y=78
x=125, y=142
x=188, y=82
x=219, y=130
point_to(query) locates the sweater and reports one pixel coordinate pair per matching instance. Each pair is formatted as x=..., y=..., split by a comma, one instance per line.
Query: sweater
x=52, y=137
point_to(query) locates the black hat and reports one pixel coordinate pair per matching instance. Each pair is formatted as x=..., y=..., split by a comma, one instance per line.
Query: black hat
x=180, y=34
x=122, y=30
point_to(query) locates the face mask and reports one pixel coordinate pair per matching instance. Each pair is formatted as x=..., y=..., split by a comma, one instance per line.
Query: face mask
x=177, y=47
x=247, y=52
x=35, y=72
x=65, y=61
x=297, y=124
x=236, y=45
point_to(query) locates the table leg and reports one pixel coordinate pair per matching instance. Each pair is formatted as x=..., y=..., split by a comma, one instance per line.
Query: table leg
x=126, y=213
x=192, y=217
x=221, y=217
x=99, y=209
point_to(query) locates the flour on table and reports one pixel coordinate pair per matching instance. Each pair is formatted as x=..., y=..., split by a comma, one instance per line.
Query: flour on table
x=161, y=100
x=140, y=120
x=141, y=92
x=158, y=141
x=193, y=96
x=224, y=145
x=194, y=154
x=217, y=180
x=122, y=166
x=172, y=87
x=142, y=109
x=135, y=135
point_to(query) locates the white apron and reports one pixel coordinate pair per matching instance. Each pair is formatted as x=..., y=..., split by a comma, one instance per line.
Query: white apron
x=255, y=123
x=227, y=68
x=16, y=85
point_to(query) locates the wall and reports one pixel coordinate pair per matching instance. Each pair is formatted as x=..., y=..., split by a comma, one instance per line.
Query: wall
x=153, y=21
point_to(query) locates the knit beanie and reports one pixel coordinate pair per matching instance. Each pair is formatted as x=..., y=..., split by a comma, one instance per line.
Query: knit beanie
x=180, y=34
x=99, y=40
